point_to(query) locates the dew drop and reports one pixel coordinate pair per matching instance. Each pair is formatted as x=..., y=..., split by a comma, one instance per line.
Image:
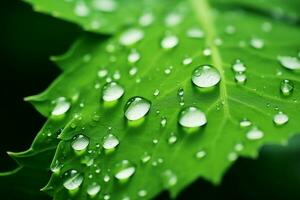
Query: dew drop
x=93, y=189
x=102, y=73
x=207, y=52
x=146, y=19
x=163, y=122
x=110, y=142
x=105, y=5
x=81, y=9
x=169, y=179
x=232, y=156
x=195, y=33
x=240, y=77
x=254, y=134
x=245, y=123
x=124, y=170
x=172, y=139
x=280, y=119
x=286, y=87
x=192, y=117
x=200, y=154
x=131, y=36
x=112, y=91
x=173, y=19
x=145, y=158
x=288, y=62
x=206, y=76
x=142, y=193
x=133, y=71
x=169, y=42
x=136, y=108
x=239, y=147
x=134, y=56
x=73, y=180
x=187, y=61
x=257, y=43
x=80, y=142
x=238, y=66
x=61, y=106
x=156, y=92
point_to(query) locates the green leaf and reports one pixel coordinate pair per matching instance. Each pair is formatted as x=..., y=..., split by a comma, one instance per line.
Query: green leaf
x=253, y=37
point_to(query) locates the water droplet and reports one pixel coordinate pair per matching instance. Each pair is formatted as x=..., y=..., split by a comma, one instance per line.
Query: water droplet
x=131, y=37
x=112, y=91
x=168, y=70
x=110, y=142
x=257, y=43
x=232, y=156
x=134, y=56
x=73, y=180
x=133, y=71
x=172, y=139
x=142, y=193
x=106, y=197
x=124, y=170
x=163, y=122
x=61, y=106
x=81, y=9
x=106, y=178
x=207, y=52
x=195, y=33
x=206, y=76
x=145, y=158
x=173, y=19
x=192, y=117
x=200, y=154
x=169, y=42
x=155, y=141
x=169, y=179
x=136, y=108
x=80, y=142
x=187, y=61
x=230, y=29
x=156, y=92
x=286, y=87
x=292, y=63
x=239, y=147
x=254, y=134
x=93, y=189
x=146, y=19
x=102, y=73
x=238, y=66
x=280, y=119
x=266, y=27
x=245, y=123
x=105, y=5
x=240, y=77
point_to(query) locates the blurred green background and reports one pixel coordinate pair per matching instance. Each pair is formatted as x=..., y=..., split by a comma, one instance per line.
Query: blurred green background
x=27, y=39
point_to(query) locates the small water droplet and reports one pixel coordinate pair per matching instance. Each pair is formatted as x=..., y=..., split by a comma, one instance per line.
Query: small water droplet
x=230, y=29
x=173, y=19
x=280, y=119
x=207, y=52
x=146, y=19
x=61, y=106
x=238, y=66
x=239, y=147
x=169, y=42
x=136, y=108
x=112, y=91
x=133, y=71
x=106, y=178
x=102, y=73
x=192, y=117
x=156, y=92
x=168, y=70
x=145, y=158
x=187, y=61
x=134, y=56
x=80, y=142
x=286, y=87
x=169, y=178
x=124, y=170
x=93, y=189
x=73, y=180
x=200, y=154
x=142, y=193
x=289, y=62
x=105, y=5
x=110, y=142
x=163, y=122
x=245, y=123
x=131, y=36
x=106, y=197
x=254, y=134
x=206, y=76
x=232, y=156
x=240, y=77
x=81, y=9
x=257, y=43
x=172, y=139
x=195, y=33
